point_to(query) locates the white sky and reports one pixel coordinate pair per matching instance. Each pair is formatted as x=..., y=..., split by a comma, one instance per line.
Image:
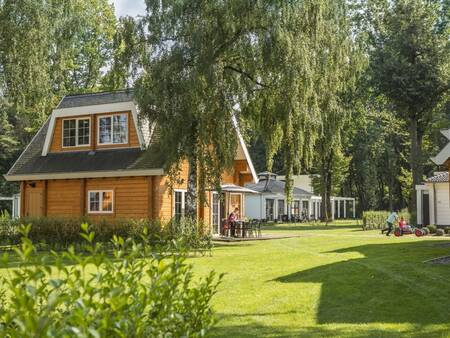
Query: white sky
x=129, y=7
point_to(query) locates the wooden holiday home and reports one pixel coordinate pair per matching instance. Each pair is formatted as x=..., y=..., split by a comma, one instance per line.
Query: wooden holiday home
x=93, y=158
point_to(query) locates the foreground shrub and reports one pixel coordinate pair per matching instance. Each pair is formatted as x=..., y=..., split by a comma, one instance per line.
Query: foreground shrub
x=432, y=228
x=447, y=230
x=440, y=232
x=134, y=291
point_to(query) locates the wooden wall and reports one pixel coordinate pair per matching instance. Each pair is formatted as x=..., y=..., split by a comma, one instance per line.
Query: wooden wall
x=56, y=143
x=134, y=197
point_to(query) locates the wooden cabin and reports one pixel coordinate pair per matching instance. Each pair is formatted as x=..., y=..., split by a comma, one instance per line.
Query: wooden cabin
x=91, y=158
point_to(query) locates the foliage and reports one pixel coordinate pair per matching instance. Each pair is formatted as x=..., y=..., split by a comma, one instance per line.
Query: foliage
x=377, y=219
x=447, y=230
x=432, y=228
x=440, y=232
x=59, y=233
x=410, y=64
x=136, y=292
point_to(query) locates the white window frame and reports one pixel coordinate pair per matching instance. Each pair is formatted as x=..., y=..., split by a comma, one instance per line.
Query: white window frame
x=76, y=132
x=112, y=129
x=183, y=201
x=218, y=211
x=100, y=202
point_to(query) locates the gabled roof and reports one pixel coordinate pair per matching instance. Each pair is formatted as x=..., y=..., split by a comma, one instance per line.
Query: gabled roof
x=441, y=177
x=106, y=162
x=37, y=163
x=444, y=154
x=275, y=187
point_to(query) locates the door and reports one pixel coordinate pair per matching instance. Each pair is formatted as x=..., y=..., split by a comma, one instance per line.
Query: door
x=270, y=209
x=425, y=209
x=35, y=203
x=280, y=209
x=235, y=202
x=215, y=212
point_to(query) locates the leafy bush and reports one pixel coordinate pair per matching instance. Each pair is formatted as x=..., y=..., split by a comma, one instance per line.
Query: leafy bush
x=440, y=232
x=377, y=219
x=137, y=291
x=432, y=228
x=425, y=231
x=447, y=230
x=59, y=233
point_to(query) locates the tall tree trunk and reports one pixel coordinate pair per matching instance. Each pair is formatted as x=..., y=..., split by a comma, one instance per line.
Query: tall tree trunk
x=191, y=194
x=416, y=163
x=325, y=185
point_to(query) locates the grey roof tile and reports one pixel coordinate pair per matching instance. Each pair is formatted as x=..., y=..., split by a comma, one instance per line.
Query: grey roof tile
x=275, y=187
x=439, y=178
x=70, y=101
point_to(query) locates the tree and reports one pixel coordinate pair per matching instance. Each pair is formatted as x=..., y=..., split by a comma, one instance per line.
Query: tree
x=410, y=66
x=47, y=49
x=266, y=62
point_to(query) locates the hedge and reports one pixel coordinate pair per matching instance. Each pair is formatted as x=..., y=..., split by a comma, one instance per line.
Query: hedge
x=59, y=233
x=377, y=219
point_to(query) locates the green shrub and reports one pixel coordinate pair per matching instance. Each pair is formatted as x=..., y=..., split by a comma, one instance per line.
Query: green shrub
x=440, y=232
x=447, y=230
x=426, y=231
x=59, y=233
x=377, y=219
x=432, y=228
x=135, y=291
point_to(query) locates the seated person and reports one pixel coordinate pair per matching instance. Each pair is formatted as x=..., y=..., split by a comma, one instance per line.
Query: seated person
x=403, y=225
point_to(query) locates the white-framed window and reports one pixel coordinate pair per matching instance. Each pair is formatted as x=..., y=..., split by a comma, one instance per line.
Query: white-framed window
x=112, y=129
x=280, y=211
x=76, y=132
x=179, y=203
x=215, y=212
x=101, y=201
x=270, y=206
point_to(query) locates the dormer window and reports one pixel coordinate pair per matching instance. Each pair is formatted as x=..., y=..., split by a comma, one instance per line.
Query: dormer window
x=113, y=129
x=76, y=132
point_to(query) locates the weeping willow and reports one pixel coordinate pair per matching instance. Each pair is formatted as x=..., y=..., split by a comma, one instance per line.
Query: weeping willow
x=275, y=65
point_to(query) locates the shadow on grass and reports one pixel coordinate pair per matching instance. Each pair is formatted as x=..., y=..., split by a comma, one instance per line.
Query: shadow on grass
x=390, y=284
x=307, y=227
x=253, y=328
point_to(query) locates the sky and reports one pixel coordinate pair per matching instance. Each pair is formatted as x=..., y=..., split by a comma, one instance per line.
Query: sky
x=129, y=7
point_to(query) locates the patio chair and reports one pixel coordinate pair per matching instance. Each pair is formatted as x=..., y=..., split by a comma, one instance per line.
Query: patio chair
x=225, y=228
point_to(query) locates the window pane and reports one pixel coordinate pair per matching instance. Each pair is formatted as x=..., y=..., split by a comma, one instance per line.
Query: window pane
x=178, y=204
x=105, y=130
x=83, y=132
x=120, y=128
x=107, y=201
x=69, y=133
x=94, y=201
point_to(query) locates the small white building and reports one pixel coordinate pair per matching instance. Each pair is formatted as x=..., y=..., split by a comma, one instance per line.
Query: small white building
x=270, y=203
x=433, y=200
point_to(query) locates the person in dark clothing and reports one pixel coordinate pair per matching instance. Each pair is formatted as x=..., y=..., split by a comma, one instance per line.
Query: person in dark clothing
x=232, y=218
x=393, y=216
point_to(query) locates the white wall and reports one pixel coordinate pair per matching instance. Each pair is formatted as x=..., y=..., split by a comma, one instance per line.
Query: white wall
x=253, y=206
x=442, y=204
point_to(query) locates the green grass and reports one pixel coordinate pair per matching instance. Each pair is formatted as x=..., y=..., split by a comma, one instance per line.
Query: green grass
x=331, y=281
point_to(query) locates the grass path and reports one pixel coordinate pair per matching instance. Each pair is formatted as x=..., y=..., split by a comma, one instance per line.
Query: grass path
x=334, y=281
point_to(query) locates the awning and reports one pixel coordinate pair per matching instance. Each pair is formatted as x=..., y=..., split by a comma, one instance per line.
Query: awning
x=237, y=189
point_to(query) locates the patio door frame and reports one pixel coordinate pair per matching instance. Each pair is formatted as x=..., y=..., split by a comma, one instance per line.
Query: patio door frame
x=215, y=227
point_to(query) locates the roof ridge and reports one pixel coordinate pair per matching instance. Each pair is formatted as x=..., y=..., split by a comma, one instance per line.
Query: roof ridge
x=100, y=93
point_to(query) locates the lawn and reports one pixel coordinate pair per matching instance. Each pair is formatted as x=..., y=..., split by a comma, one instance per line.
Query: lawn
x=331, y=281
